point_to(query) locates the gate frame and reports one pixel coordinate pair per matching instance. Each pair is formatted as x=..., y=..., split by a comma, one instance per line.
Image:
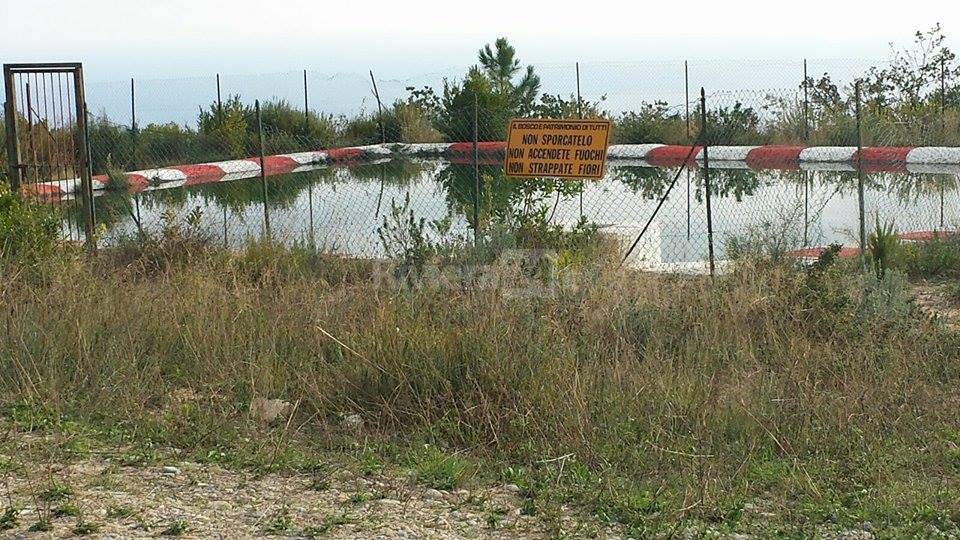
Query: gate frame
x=80, y=134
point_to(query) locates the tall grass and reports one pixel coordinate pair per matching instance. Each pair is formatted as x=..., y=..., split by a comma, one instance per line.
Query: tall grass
x=773, y=382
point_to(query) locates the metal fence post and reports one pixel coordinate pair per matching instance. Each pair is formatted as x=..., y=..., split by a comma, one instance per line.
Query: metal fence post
x=476, y=169
x=133, y=123
x=580, y=114
x=943, y=101
x=686, y=94
x=306, y=104
x=859, y=164
x=705, y=140
x=219, y=102
x=133, y=106
x=83, y=160
x=9, y=118
x=806, y=103
x=263, y=173
x=376, y=94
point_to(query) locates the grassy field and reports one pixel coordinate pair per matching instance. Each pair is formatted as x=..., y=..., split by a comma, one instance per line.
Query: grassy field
x=776, y=400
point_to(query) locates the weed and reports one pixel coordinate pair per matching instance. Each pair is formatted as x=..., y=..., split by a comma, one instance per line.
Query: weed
x=319, y=484
x=9, y=518
x=494, y=517
x=280, y=522
x=41, y=525
x=84, y=528
x=329, y=524
x=435, y=469
x=369, y=463
x=120, y=511
x=66, y=509
x=176, y=528
x=882, y=247
x=55, y=492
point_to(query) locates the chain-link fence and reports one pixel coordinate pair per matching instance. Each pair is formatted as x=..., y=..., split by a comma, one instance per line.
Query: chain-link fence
x=809, y=152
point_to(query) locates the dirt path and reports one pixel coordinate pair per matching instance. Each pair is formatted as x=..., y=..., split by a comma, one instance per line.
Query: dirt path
x=46, y=493
x=195, y=501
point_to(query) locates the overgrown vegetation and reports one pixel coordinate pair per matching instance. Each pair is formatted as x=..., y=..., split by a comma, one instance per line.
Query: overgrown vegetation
x=818, y=394
x=902, y=105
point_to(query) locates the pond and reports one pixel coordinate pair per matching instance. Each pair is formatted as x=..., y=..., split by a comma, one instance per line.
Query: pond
x=342, y=208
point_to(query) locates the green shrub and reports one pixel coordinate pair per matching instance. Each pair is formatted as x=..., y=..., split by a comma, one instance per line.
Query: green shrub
x=226, y=127
x=736, y=125
x=939, y=258
x=653, y=123
x=28, y=230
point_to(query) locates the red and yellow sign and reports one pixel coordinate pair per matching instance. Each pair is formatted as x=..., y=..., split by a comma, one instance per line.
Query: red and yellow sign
x=556, y=148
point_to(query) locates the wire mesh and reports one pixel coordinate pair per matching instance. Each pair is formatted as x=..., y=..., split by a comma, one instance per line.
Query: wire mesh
x=781, y=139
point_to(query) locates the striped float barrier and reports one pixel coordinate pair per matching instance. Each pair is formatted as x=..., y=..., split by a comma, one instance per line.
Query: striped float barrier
x=727, y=153
x=672, y=155
x=775, y=157
x=483, y=147
x=421, y=149
x=934, y=154
x=882, y=159
x=202, y=173
x=828, y=154
x=630, y=151
x=307, y=158
x=945, y=160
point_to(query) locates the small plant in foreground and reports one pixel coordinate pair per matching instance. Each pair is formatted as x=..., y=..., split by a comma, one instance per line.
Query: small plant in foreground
x=10, y=518
x=42, y=525
x=882, y=247
x=116, y=179
x=55, y=492
x=369, y=463
x=495, y=516
x=437, y=470
x=329, y=523
x=319, y=484
x=120, y=512
x=280, y=522
x=84, y=528
x=176, y=528
x=66, y=509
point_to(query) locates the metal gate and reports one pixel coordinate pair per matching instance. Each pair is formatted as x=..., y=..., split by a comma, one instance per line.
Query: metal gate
x=47, y=152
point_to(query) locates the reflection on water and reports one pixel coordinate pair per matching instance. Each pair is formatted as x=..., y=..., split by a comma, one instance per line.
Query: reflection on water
x=341, y=208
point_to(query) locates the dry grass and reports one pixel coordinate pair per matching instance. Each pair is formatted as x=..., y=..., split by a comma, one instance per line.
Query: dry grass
x=649, y=399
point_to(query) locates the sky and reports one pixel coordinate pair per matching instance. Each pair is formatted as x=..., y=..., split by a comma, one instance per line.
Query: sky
x=173, y=38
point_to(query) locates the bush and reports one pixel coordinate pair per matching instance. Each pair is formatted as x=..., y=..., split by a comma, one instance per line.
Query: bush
x=939, y=258
x=474, y=100
x=653, y=123
x=415, y=124
x=227, y=126
x=736, y=125
x=28, y=230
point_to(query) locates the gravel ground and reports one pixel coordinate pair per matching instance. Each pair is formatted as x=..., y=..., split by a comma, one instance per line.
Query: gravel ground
x=191, y=500
x=211, y=502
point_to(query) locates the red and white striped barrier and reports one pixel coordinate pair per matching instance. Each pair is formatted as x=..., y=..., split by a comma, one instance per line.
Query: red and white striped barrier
x=834, y=158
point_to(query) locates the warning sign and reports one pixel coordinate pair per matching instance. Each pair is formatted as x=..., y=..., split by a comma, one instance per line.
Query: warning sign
x=558, y=148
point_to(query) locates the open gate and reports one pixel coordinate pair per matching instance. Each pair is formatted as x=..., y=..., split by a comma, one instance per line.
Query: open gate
x=45, y=116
